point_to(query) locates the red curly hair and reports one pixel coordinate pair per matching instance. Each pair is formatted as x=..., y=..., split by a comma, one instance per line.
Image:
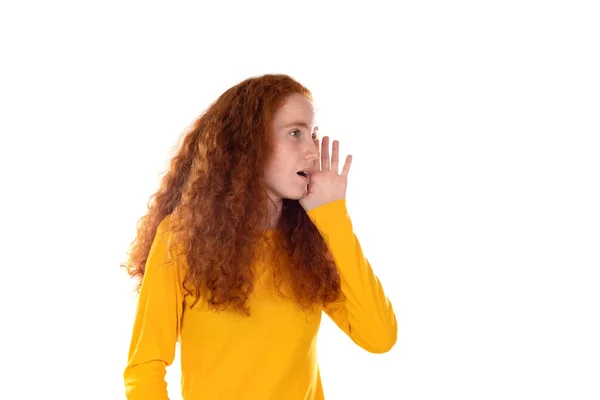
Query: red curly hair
x=215, y=191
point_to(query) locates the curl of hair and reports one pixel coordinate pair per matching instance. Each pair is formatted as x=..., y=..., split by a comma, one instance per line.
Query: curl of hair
x=214, y=191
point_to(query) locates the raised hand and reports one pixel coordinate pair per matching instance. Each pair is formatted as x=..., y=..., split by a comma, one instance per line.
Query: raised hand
x=325, y=183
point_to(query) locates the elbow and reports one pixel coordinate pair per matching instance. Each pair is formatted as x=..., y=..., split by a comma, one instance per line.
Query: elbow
x=145, y=381
x=383, y=341
x=384, y=344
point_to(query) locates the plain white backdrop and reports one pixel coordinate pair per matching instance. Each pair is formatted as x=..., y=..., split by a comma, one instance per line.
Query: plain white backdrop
x=474, y=189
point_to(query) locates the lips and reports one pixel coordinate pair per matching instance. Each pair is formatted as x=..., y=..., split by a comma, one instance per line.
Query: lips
x=304, y=175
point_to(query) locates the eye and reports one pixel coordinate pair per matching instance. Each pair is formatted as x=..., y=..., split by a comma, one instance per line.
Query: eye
x=297, y=131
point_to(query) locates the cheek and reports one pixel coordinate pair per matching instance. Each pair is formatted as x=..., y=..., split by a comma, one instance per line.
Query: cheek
x=277, y=161
x=273, y=170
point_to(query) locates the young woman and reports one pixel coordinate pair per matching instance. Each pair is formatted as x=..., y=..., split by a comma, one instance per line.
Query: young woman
x=245, y=244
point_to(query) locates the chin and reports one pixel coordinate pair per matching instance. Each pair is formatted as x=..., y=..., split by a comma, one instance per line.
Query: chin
x=290, y=192
x=295, y=195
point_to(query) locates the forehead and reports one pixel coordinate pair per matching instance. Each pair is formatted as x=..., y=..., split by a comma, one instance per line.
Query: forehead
x=296, y=108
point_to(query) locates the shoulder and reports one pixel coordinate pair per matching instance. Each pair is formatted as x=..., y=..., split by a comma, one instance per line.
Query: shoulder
x=166, y=231
x=165, y=224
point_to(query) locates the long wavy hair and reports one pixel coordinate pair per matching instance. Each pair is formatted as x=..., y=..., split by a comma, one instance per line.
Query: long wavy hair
x=215, y=193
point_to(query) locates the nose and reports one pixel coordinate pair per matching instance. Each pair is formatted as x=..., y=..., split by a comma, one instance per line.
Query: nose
x=311, y=152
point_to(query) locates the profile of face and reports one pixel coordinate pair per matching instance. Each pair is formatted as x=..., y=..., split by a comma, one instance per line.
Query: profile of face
x=294, y=151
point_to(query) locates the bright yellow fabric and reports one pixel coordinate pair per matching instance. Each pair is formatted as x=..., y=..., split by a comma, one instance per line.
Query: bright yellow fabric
x=270, y=355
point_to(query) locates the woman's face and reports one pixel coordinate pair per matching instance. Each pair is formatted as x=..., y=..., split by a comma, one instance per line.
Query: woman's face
x=294, y=133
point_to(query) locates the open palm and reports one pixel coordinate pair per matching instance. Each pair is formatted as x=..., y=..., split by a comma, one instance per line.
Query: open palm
x=326, y=184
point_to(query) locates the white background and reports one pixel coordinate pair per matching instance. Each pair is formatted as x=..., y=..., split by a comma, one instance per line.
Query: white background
x=474, y=188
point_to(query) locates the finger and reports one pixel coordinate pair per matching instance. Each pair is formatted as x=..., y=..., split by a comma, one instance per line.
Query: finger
x=347, y=165
x=335, y=156
x=318, y=162
x=325, y=166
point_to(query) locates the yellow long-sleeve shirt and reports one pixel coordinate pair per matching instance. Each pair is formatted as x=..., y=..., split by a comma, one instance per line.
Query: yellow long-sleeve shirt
x=270, y=355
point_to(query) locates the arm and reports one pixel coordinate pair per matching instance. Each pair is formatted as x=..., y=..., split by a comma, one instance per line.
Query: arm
x=364, y=313
x=156, y=326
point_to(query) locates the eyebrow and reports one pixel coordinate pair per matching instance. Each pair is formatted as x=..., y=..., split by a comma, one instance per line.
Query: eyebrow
x=299, y=123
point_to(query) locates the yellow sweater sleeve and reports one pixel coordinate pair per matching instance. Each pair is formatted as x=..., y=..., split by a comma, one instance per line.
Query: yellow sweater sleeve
x=157, y=323
x=364, y=313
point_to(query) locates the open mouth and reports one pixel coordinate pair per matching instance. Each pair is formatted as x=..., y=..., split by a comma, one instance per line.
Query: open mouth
x=303, y=174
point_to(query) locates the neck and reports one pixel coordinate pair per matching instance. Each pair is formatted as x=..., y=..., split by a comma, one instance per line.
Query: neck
x=274, y=209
